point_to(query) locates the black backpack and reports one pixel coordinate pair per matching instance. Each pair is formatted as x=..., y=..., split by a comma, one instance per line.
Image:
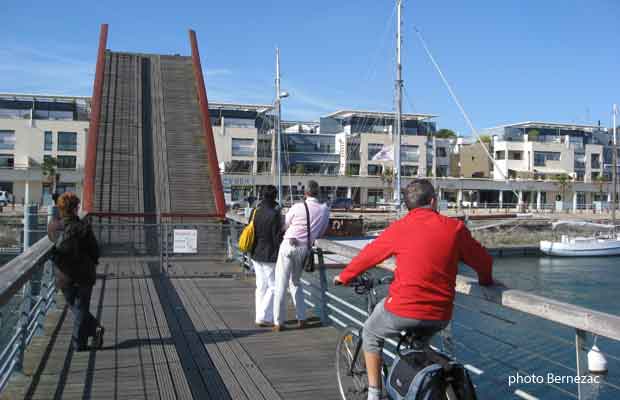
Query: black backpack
x=425, y=375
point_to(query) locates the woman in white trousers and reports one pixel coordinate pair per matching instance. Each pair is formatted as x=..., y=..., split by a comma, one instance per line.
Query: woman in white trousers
x=267, y=239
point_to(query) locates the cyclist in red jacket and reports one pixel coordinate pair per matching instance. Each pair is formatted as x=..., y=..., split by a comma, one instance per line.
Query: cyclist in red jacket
x=428, y=248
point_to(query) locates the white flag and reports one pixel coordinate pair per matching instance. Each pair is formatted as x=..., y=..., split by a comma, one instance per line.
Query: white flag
x=385, y=154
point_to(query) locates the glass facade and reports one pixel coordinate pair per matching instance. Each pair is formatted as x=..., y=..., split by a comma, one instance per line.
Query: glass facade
x=67, y=141
x=303, y=143
x=7, y=140
x=240, y=122
x=243, y=147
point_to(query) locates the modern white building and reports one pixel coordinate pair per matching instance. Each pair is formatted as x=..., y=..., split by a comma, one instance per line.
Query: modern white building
x=36, y=127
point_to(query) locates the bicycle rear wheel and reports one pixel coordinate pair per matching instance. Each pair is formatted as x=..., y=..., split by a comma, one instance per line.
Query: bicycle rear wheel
x=352, y=382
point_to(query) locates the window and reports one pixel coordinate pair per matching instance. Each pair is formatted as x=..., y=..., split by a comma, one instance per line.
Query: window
x=243, y=147
x=595, y=161
x=409, y=170
x=375, y=196
x=595, y=176
x=353, y=151
x=236, y=166
x=7, y=161
x=48, y=141
x=580, y=176
x=353, y=169
x=263, y=167
x=373, y=149
x=66, y=162
x=442, y=170
x=515, y=155
x=67, y=141
x=541, y=157
x=7, y=140
x=374, y=170
x=239, y=122
x=409, y=153
x=264, y=148
x=304, y=143
x=500, y=155
x=441, y=152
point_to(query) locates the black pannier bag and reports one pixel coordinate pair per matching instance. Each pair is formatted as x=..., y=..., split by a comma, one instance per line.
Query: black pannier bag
x=425, y=375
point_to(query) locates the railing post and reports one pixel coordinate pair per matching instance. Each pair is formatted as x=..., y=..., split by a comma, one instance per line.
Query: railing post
x=232, y=234
x=580, y=357
x=323, y=282
x=22, y=326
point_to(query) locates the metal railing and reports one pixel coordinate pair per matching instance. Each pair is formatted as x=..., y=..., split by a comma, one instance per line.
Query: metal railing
x=26, y=295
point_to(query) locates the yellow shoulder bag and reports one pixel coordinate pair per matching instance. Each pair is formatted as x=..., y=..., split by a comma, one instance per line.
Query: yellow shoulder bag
x=246, y=240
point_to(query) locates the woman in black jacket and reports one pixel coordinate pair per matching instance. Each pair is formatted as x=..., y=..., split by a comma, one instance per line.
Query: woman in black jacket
x=268, y=235
x=76, y=255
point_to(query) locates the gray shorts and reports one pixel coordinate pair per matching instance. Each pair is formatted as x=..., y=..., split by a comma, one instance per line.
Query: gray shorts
x=383, y=324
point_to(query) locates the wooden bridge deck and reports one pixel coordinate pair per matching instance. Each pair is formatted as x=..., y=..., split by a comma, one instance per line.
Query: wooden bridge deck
x=187, y=335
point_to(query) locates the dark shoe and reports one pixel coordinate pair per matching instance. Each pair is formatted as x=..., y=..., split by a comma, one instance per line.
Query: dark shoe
x=301, y=324
x=98, y=342
x=264, y=324
x=277, y=328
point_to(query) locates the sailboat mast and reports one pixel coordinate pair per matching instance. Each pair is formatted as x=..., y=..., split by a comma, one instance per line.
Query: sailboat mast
x=399, y=106
x=278, y=136
x=614, y=173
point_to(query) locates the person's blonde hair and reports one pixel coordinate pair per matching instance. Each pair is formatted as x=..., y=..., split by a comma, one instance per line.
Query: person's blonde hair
x=68, y=204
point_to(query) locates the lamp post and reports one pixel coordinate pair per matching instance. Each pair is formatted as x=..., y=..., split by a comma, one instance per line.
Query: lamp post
x=278, y=139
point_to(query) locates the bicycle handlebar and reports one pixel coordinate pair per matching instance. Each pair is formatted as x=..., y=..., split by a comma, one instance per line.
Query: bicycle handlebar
x=365, y=282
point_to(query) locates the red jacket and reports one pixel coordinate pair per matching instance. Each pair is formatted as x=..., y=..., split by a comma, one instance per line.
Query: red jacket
x=428, y=247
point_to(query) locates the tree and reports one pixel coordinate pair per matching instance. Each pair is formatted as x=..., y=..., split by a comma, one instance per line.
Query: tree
x=485, y=139
x=564, y=182
x=387, y=175
x=445, y=134
x=533, y=134
x=49, y=168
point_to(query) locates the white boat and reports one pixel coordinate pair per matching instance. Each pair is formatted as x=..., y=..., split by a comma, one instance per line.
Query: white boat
x=599, y=245
x=582, y=246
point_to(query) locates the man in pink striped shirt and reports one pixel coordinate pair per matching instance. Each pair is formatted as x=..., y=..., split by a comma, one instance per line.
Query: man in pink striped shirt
x=294, y=249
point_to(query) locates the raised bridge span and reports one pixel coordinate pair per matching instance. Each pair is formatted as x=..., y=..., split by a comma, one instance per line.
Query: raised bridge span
x=180, y=324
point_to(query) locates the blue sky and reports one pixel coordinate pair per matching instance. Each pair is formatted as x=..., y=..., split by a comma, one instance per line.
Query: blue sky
x=508, y=61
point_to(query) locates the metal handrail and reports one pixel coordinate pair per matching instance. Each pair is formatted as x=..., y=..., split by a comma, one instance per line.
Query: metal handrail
x=16, y=278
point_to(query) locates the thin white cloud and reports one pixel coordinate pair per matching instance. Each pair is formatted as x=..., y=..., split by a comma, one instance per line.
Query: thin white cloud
x=216, y=72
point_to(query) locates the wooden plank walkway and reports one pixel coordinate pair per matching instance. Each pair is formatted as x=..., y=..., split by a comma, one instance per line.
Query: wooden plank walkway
x=188, y=335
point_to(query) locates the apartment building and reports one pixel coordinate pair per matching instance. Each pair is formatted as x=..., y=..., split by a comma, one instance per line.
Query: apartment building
x=36, y=127
x=543, y=150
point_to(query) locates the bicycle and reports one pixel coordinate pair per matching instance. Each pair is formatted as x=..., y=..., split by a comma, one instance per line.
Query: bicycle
x=350, y=364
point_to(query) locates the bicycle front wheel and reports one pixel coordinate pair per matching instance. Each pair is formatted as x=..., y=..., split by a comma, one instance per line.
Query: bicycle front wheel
x=352, y=382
